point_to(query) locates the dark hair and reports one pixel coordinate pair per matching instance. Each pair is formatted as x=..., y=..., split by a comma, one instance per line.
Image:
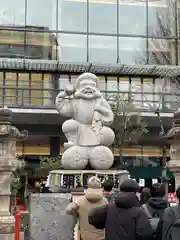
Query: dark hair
x=145, y=195
x=178, y=192
x=129, y=185
x=158, y=190
x=108, y=185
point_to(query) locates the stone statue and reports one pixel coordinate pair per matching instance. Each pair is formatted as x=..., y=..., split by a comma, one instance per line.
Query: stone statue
x=87, y=131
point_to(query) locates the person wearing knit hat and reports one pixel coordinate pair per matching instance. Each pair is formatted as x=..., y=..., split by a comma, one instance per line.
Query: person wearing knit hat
x=124, y=218
x=130, y=185
x=93, y=198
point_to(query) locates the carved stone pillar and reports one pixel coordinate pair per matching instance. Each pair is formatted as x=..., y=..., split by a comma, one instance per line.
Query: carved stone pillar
x=8, y=136
x=173, y=137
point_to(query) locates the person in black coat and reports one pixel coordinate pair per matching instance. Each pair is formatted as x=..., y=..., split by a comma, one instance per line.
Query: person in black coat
x=124, y=219
x=156, y=203
x=169, y=216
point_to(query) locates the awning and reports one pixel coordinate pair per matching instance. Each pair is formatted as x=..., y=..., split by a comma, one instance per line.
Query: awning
x=148, y=172
x=54, y=66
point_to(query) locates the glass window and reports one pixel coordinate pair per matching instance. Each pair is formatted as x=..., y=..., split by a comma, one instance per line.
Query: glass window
x=25, y=89
x=166, y=94
x=132, y=17
x=112, y=84
x=162, y=51
x=72, y=47
x=112, y=89
x=65, y=79
x=12, y=12
x=103, y=16
x=35, y=45
x=136, y=85
x=132, y=50
x=178, y=42
x=20, y=51
x=171, y=94
x=124, y=84
x=178, y=18
x=41, y=89
x=46, y=42
x=148, y=97
x=72, y=15
x=161, y=18
x=102, y=84
x=102, y=49
x=46, y=17
x=124, y=89
x=12, y=36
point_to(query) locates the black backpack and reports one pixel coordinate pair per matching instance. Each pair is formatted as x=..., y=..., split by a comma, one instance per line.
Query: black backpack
x=173, y=231
x=155, y=221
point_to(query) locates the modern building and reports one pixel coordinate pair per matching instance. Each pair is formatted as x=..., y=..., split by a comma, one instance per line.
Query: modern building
x=132, y=45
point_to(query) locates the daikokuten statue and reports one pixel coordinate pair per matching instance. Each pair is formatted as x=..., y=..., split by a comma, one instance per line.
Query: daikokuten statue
x=87, y=131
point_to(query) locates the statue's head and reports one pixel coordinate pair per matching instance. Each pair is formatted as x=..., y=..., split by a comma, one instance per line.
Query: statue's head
x=87, y=86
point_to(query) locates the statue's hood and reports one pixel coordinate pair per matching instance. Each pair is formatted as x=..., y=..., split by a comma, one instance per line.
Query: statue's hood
x=87, y=76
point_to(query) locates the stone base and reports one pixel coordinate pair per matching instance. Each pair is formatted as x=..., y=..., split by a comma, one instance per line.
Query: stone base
x=10, y=236
x=7, y=224
x=7, y=236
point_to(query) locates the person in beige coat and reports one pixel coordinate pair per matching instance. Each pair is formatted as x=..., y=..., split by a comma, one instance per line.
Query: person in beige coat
x=93, y=198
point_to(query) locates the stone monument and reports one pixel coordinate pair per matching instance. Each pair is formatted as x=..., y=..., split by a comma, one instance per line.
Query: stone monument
x=87, y=131
x=8, y=136
x=48, y=218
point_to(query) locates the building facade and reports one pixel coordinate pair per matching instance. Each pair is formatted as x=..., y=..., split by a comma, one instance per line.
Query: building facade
x=123, y=42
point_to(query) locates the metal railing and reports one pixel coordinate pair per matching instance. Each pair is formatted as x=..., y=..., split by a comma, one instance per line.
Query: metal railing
x=37, y=98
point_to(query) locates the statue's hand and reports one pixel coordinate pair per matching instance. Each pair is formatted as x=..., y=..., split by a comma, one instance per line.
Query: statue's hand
x=98, y=108
x=69, y=89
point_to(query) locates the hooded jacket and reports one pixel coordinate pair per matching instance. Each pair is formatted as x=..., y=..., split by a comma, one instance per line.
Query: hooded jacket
x=93, y=198
x=125, y=213
x=157, y=205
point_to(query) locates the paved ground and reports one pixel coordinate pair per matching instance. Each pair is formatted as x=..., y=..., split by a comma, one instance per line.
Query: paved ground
x=22, y=236
x=10, y=236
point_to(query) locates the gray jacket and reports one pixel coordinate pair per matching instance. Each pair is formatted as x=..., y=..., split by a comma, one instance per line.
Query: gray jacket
x=169, y=218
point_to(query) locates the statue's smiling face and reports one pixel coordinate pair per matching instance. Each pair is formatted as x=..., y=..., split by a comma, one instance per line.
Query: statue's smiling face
x=87, y=90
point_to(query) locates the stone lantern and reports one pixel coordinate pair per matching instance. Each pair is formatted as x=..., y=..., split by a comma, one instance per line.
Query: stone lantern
x=8, y=137
x=173, y=137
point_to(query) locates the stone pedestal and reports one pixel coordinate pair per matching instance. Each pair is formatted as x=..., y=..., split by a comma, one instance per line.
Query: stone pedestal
x=11, y=236
x=8, y=137
x=7, y=236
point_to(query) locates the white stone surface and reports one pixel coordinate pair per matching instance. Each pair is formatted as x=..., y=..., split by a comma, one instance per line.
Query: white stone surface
x=10, y=236
x=88, y=127
x=48, y=219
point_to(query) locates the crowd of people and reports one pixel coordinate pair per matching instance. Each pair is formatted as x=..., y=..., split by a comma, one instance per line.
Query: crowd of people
x=104, y=214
